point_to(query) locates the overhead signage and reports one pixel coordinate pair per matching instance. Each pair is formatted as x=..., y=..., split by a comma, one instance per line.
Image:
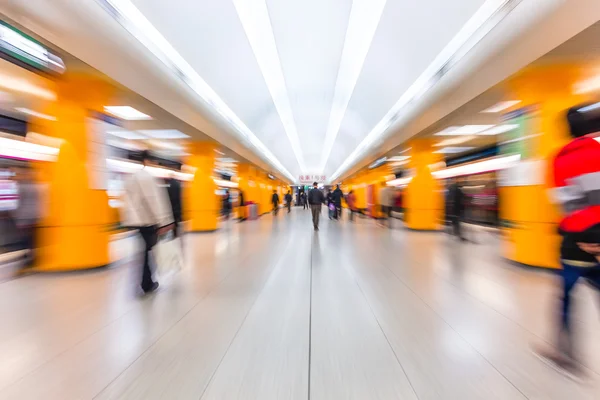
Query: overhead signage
x=309, y=179
x=22, y=49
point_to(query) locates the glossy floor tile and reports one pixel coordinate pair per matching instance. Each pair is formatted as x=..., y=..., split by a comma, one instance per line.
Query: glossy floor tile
x=269, y=309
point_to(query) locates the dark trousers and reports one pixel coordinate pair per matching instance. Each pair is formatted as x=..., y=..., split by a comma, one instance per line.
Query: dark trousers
x=28, y=242
x=352, y=214
x=289, y=207
x=316, y=214
x=305, y=205
x=570, y=276
x=150, y=237
x=456, y=226
x=275, y=209
x=338, y=211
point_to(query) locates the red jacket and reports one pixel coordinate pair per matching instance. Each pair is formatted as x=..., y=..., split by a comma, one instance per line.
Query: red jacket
x=576, y=173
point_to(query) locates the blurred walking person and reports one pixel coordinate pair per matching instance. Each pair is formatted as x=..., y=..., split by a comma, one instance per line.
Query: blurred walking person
x=456, y=208
x=316, y=198
x=28, y=213
x=288, y=201
x=351, y=201
x=174, y=190
x=337, y=197
x=275, y=202
x=147, y=209
x=576, y=176
x=304, y=200
x=386, y=204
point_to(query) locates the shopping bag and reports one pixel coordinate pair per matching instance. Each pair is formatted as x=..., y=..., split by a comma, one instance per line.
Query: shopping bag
x=168, y=257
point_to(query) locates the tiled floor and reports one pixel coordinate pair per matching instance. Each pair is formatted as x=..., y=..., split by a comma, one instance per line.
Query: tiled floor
x=271, y=310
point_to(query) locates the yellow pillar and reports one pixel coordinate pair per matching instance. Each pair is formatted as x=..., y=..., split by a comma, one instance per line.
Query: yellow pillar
x=75, y=231
x=201, y=205
x=531, y=219
x=424, y=198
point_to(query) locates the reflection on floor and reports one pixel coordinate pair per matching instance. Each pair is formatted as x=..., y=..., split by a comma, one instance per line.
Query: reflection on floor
x=271, y=310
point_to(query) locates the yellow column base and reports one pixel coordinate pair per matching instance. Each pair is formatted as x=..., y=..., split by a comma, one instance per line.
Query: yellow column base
x=533, y=244
x=203, y=221
x=423, y=220
x=70, y=248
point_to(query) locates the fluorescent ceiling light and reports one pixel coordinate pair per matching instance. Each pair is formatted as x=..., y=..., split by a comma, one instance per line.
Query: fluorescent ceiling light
x=464, y=130
x=127, y=112
x=129, y=135
x=399, y=163
x=364, y=19
x=591, y=107
x=125, y=12
x=163, y=133
x=398, y=158
x=405, y=150
x=482, y=22
x=588, y=85
x=453, y=141
x=255, y=19
x=24, y=86
x=498, y=129
x=501, y=106
x=453, y=150
x=35, y=114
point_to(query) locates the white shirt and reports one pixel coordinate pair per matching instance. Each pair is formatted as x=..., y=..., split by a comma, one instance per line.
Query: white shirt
x=146, y=203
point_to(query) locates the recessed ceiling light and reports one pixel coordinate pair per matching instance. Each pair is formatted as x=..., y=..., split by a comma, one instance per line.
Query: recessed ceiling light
x=588, y=85
x=35, y=114
x=453, y=141
x=496, y=130
x=453, y=150
x=164, y=134
x=501, y=106
x=129, y=135
x=127, y=112
x=398, y=158
x=464, y=130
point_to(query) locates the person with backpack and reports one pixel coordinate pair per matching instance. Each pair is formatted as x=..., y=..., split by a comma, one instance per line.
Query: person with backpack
x=576, y=178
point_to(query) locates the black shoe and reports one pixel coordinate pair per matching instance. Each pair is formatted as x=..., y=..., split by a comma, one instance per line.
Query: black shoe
x=152, y=288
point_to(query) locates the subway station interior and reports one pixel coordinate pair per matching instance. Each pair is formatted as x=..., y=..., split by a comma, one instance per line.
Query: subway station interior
x=299, y=199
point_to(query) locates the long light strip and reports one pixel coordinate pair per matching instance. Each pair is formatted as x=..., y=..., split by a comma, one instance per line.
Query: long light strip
x=482, y=22
x=138, y=25
x=27, y=151
x=493, y=164
x=364, y=19
x=255, y=19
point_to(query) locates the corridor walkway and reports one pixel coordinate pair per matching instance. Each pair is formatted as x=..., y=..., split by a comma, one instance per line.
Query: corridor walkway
x=270, y=310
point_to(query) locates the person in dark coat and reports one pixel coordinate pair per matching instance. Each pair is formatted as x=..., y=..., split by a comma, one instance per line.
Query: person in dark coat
x=275, y=202
x=174, y=191
x=288, y=201
x=336, y=198
x=315, y=198
x=456, y=208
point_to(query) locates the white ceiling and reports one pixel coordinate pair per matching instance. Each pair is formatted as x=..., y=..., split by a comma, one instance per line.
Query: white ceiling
x=309, y=36
x=309, y=78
